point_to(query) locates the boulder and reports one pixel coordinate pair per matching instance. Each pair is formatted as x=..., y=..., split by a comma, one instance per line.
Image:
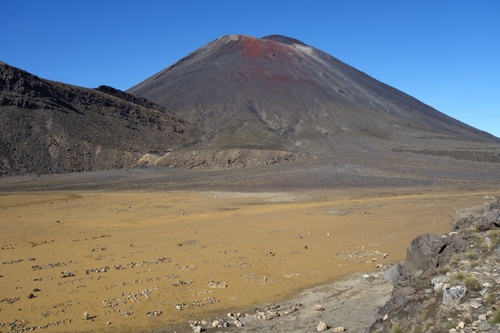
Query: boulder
x=428, y=252
x=423, y=255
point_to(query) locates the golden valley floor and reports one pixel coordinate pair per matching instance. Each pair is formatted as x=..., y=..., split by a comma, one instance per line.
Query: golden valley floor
x=120, y=256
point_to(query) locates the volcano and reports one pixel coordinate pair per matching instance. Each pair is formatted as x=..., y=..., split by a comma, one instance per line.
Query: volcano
x=279, y=93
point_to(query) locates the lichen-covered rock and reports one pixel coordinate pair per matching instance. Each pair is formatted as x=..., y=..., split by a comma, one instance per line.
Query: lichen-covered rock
x=453, y=295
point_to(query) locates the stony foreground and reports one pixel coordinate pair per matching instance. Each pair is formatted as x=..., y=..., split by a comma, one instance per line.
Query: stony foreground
x=449, y=283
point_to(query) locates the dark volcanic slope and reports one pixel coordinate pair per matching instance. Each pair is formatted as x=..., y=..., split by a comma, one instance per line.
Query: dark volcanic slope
x=50, y=127
x=278, y=93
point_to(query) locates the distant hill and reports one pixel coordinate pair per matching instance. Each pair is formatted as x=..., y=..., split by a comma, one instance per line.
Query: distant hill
x=51, y=127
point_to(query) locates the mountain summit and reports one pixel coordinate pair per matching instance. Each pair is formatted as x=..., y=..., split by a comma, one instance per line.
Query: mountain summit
x=279, y=93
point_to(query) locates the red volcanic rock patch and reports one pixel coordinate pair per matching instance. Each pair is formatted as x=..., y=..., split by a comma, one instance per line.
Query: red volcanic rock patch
x=259, y=48
x=268, y=49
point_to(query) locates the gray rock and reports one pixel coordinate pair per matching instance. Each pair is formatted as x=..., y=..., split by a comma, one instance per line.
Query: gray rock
x=439, y=282
x=493, y=216
x=464, y=223
x=393, y=273
x=497, y=249
x=428, y=252
x=484, y=326
x=489, y=243
x=423, y=255
x=453, y=295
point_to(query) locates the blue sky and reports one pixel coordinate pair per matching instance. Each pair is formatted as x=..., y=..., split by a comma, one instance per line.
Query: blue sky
x=445, y=53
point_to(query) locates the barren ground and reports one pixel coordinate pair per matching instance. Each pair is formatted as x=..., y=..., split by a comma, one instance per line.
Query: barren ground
x=128, y=250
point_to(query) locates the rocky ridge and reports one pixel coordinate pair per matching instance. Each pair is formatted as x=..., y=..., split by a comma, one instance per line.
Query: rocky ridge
x=449, y=283
x=52, y=127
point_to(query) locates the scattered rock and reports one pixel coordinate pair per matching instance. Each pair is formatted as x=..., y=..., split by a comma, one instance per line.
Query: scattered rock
x=439, y=283
x=181, y=306
x=475, y=304
x=453, y=295
x=322, y=326
x=484, y=326
x=217, y=284
x=319, y=307
x=339, y=329
x=65, y=274
x=86, y=316
x=155, y=313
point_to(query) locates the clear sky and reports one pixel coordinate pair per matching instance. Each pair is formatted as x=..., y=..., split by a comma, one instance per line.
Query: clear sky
x=445, y=53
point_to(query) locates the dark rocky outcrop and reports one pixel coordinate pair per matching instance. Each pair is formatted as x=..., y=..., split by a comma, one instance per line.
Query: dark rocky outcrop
x=449, y=282
x=427, y=253
x=491, y=219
